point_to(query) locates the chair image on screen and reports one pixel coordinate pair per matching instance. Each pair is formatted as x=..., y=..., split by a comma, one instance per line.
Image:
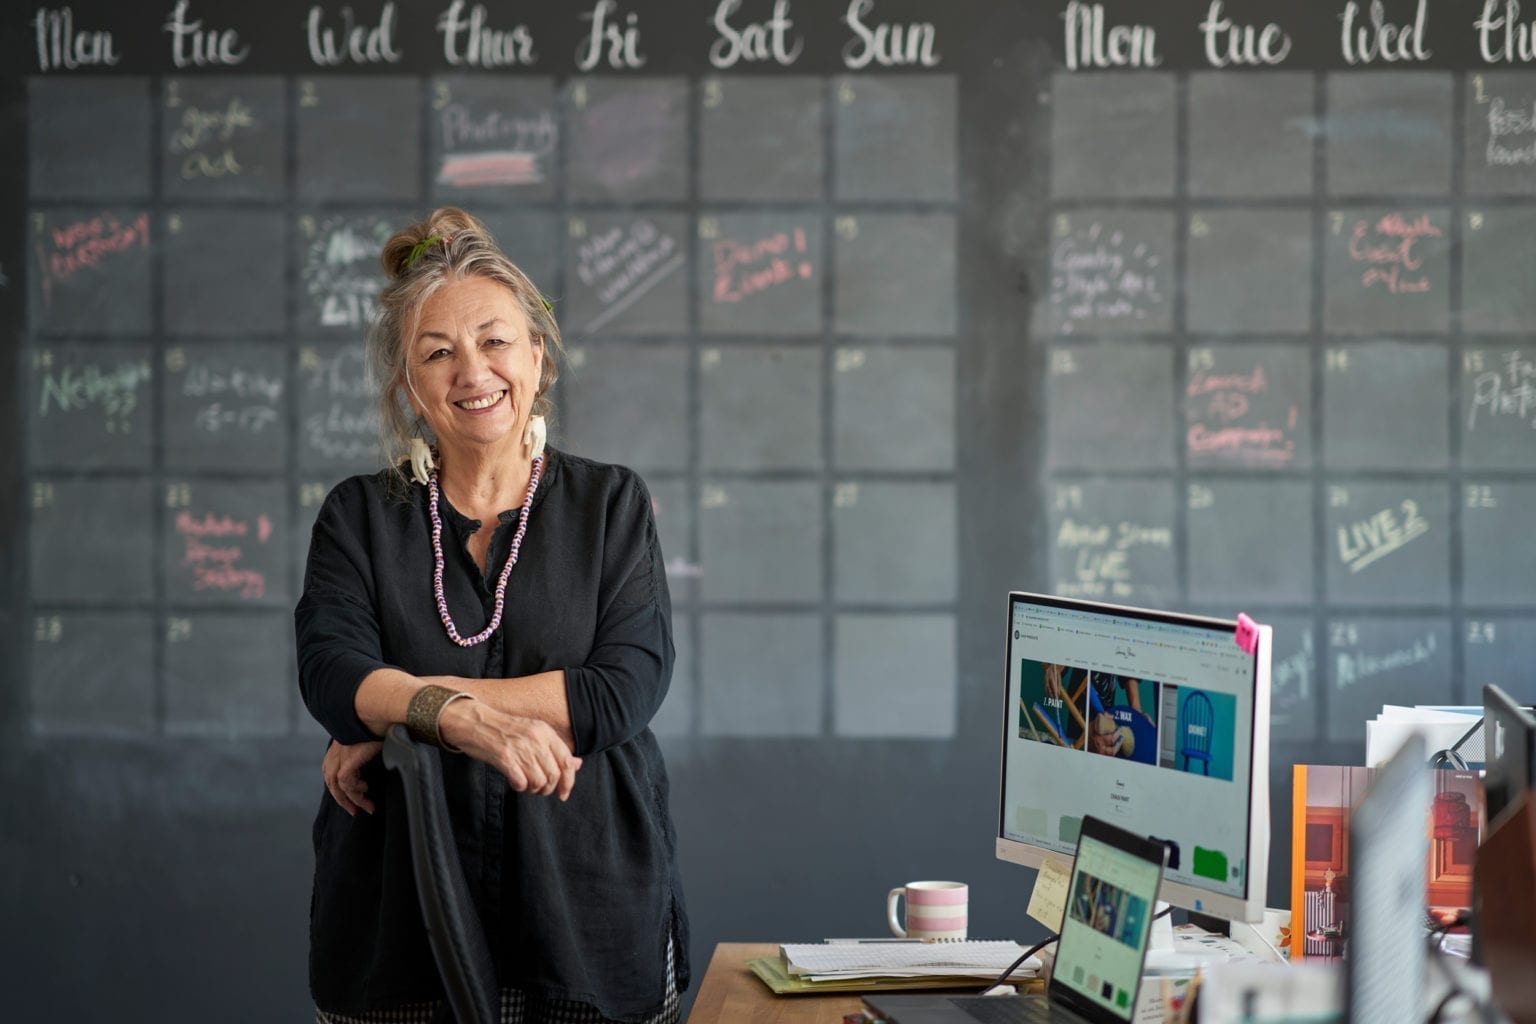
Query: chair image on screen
x=453, y=927
x=1195, y=741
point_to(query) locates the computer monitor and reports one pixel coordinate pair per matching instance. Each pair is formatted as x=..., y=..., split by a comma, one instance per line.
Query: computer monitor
x=1510, y=738
x=1153, y=720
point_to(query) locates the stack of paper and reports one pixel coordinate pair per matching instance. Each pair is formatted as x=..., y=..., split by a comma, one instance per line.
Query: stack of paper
x=977, y=959
x=1440, y=726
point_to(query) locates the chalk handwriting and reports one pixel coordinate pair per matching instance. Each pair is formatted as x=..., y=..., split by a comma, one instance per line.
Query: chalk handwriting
x=747, y=268
x=194, y=46
x=256, y=392
x=1100, y=274
x=346, y=428
x=1292, y=675
x=1386, y=247
x=1352, y=667
x=1381, y=39
x=1259, y=444
x=339, y=275
x=70, y=248
x=1089, y=44
x=213, y=546
x=1508, y=392
x=622, y=264
x=756, y=41
x=343, y=435
x=1229, y=43
x=887, y=45
x=471, y=41
x=506, y=149
x=622, y=45
x=59, y=45
x=113, y=390
x=1511, y=133
x=342, y=375
x=1515, y=44
x=1101, y=561
x=1216, y=403
x=352, y=41
x=205, y=139
x=1365, y=542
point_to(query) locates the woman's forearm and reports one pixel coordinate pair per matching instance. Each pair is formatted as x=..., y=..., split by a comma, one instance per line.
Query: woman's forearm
x=384, y=694
x=540, y=696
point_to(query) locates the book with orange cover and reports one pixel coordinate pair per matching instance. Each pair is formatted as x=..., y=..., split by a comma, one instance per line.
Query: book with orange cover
x=1322, y=798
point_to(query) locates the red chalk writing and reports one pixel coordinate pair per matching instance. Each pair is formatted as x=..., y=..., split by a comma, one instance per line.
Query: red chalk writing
x=1386, y=247
x=747, y=268
x=1234, y=417
x=213, y=547
x=67, y=249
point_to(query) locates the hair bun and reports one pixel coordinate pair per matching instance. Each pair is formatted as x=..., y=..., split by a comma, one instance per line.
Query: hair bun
x=438, y=230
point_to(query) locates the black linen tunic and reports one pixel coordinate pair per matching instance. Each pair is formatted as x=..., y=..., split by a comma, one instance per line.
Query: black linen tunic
x=579, y=899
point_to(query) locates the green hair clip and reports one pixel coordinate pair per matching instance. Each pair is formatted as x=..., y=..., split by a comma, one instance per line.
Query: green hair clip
x=421, y=247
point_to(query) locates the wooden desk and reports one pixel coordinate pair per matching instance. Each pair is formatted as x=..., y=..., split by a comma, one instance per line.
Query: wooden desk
x=731, y=994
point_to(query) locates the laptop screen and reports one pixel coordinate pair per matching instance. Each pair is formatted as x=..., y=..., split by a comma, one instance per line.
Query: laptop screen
x=1104, y=934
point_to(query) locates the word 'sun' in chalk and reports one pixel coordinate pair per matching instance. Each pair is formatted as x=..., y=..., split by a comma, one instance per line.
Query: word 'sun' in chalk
x=1247, y=634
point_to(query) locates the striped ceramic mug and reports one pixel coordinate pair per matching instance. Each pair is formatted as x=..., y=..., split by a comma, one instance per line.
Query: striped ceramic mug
x=935, y=910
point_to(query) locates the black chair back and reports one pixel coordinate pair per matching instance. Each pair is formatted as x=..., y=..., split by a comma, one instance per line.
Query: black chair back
x=453, y=927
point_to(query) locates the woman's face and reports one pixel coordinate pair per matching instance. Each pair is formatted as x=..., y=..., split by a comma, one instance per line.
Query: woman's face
x=473, y=366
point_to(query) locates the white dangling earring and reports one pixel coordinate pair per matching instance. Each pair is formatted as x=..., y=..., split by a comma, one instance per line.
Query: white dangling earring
x=533, y=440
x=421, y=460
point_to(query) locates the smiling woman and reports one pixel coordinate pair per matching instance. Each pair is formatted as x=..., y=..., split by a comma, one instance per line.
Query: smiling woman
x=507, y=602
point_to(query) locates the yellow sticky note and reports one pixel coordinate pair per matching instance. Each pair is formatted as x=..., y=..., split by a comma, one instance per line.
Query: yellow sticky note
x=1048, y=903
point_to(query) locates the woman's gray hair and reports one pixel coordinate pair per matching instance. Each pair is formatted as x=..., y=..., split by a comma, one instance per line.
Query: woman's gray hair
x=449, y=245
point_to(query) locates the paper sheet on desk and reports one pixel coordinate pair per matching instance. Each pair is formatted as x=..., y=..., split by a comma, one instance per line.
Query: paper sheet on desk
x=1194, y=939
x=1387, y=731
x=903, y=959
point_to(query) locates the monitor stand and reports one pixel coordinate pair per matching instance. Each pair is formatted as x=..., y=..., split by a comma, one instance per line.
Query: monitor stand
x=1163, y=958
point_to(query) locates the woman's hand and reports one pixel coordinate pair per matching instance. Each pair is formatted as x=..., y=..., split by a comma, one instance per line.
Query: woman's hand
x=530, y=753
x=343, y=772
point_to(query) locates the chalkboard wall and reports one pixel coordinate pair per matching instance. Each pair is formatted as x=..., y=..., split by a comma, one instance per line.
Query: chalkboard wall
x=896, y=306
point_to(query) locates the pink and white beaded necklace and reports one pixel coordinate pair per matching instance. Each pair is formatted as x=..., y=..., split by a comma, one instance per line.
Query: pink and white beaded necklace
x=506, y=572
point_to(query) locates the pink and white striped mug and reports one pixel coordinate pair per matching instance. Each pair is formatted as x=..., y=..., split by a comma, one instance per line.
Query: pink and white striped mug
x=935, y=910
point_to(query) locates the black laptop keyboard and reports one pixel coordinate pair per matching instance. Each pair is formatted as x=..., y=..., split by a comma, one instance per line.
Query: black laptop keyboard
x=1008, y=1010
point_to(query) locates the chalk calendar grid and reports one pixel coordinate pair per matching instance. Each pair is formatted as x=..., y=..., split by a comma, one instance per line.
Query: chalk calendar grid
x=1291, y=371
x=756, y=283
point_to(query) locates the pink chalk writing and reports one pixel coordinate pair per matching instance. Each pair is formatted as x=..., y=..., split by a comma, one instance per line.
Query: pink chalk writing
x=1254, y=444
x=211, y=552
x=748, y=268
x=65, y=250
x=1229, y=418
x=1202, y=382
x=1387, y=249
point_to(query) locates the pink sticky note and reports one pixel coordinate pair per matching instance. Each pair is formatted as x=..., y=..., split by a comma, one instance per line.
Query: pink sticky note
x=1247, y=634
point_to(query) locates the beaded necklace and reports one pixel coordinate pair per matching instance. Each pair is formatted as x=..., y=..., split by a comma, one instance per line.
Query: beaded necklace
x=506, y=572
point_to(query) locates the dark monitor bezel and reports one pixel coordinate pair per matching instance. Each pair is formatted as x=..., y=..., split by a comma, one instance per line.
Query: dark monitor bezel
x=1509, y=774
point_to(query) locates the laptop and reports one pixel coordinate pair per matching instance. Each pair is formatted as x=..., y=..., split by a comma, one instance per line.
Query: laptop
x=1099, y=957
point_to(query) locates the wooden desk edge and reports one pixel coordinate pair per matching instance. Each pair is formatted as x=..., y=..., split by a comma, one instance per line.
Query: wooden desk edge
x=731, y=994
